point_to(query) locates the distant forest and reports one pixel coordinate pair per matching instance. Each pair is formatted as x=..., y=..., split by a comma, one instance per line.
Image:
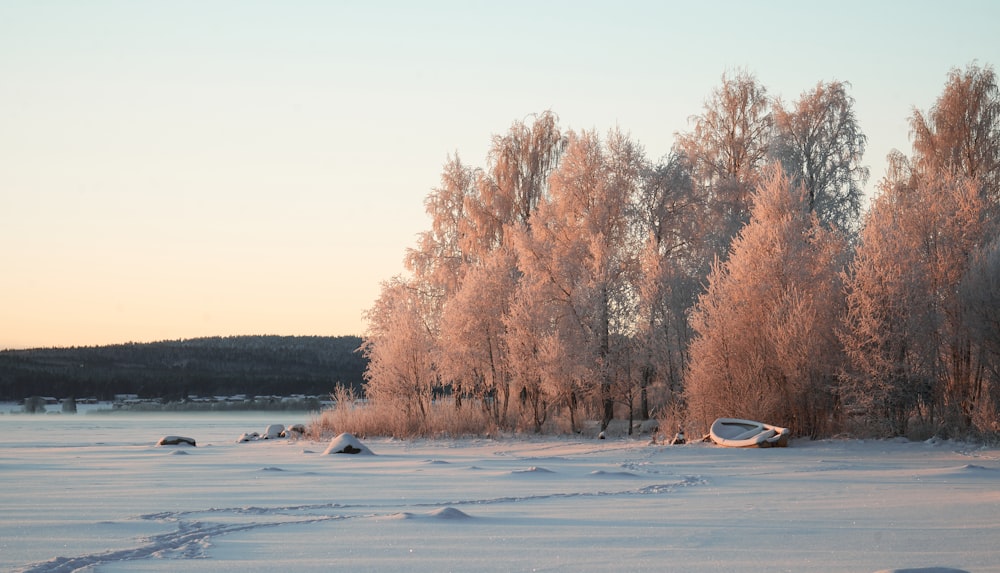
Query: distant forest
x=173, y=370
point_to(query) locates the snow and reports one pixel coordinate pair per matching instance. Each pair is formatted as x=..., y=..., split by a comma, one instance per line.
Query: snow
x=94, y=492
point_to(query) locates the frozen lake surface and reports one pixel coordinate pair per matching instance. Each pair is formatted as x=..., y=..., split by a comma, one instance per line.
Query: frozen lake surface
x=92, y=492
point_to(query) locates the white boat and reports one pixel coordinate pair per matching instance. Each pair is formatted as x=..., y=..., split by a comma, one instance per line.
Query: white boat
x=736, y=433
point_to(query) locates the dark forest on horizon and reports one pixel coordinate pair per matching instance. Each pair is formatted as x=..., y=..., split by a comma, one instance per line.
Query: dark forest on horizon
x=173, y=370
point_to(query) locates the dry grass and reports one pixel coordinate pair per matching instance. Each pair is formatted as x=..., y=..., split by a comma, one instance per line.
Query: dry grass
x=443, y=419
x=390, y=419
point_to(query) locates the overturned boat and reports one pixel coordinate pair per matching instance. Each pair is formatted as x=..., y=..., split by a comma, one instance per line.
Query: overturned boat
x=736, y=433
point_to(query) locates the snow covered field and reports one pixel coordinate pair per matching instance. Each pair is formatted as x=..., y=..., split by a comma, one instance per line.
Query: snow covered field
x=92, y=492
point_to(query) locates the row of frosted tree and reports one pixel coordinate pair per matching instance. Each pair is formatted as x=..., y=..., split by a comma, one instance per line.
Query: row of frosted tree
x=743, y=274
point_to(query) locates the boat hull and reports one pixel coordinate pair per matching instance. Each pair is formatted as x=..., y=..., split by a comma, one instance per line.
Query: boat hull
x=737, y=433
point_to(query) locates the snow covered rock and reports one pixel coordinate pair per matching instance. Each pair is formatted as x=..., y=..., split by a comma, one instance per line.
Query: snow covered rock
x=248, y=437
x=347, y=444
x=294, y=431
x=678, y=438
x=272, y=432
x=175, y=441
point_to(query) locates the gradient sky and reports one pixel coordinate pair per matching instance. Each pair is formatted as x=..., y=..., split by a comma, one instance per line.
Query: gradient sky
x=175, y=169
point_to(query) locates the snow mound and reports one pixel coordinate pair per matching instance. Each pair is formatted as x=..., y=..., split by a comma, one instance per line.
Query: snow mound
x=444, y=513
x=924, y=570
x=449, y=513
x=965, y=472
x=977, y=469
x=602, y=473
x=347, y=444
x=175, y=441
x=178, y=453
x=533, y=470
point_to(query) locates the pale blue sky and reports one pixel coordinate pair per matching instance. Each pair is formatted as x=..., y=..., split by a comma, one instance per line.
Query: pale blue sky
x=185, y=168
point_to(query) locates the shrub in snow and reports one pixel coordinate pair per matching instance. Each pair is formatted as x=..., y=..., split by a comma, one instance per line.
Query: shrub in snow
x=649, y=426
x=347, y=444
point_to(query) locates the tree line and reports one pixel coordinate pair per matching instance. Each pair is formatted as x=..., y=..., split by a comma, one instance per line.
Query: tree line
x=572, y=276
x=173, y=370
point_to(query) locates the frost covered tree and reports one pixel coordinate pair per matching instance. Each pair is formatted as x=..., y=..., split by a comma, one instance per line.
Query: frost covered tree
x=904, y=335
x=515, y=180
x=765, y=344
x=473, y=353
x=957, y=145
x=820, y=145
x=889, y=374
x=578, y=260
x=960, y=135
x=442, y=253
x=727, y=149
x=399, y=345
x=472, y=211
x=672, y=262
x=980, y=299
x=912, y=348
x=528, y=326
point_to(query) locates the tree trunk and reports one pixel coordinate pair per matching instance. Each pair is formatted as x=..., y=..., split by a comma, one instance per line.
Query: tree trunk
x=644, y=395
x=572, y=415
x=631, y=417
x=605, y=351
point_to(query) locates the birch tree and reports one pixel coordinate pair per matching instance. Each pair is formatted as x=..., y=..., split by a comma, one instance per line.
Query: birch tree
x=577, y=253
x=528, y=325
x=980, y=299
x=473, y=338
x=727, y=149
x=820, y=145
x=399, y=345
x=672, y=262
x=515, y=180
x=960, y=134
x=442, y=253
